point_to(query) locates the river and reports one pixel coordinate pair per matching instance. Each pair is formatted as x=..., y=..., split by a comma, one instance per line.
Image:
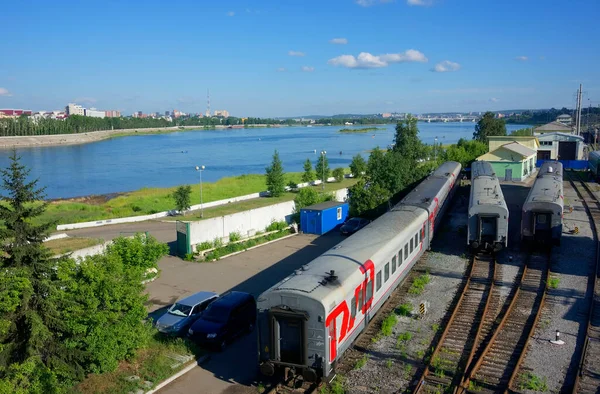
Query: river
x=134, y=162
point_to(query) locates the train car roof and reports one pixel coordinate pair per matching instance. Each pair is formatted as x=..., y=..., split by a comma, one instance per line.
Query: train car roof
x=552, y=168
x=421, y=195
x=547, y=189
x=346, y=258
x=481, y=168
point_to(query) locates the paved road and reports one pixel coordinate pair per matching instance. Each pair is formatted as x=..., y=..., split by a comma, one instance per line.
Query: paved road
x=254, y=272
x=163, y=231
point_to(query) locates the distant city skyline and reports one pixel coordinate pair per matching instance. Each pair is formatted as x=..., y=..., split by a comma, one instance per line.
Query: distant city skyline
x=287, y=59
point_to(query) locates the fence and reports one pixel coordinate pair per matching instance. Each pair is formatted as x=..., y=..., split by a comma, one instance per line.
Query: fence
x=567, y=164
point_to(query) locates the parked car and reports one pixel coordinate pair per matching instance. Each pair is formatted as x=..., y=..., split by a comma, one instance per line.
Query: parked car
x=353, y=225
x=182, y=314
x=228, y=317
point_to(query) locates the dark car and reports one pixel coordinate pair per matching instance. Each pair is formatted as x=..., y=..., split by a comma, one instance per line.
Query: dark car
x=353, y=225
x=183, y=313
x=226, y=318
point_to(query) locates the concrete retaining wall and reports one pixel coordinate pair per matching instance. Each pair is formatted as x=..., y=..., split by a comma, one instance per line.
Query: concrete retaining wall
x=90, y=251
x=247, y=223
x=62, y=227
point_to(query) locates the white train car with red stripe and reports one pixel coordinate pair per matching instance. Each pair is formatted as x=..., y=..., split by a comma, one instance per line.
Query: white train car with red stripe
x=307, y=321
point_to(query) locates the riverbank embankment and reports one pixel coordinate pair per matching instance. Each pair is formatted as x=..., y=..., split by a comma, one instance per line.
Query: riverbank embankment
x=95, y=136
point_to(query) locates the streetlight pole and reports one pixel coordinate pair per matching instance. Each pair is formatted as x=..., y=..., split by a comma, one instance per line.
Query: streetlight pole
x=323, y=153
x=435, y=149
x=200, y=169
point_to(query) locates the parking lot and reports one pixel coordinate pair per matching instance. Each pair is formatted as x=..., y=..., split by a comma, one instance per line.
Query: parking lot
x=253, y=271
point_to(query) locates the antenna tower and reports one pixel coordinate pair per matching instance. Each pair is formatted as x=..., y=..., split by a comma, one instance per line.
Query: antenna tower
x=207, y=102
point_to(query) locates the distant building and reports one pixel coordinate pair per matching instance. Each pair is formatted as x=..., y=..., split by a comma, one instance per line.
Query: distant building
x=74, y=109
x=176, y=113
x=112, y=114
x=552, y=127
x=140, y=114
x=386, y=115
x=565, y=119
x=15, y=112
x=222, y=113
x=167, y=113
x=94, y=113
x=560, y=146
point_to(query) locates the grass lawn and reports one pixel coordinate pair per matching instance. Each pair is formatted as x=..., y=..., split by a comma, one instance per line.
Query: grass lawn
x=150, y=364
x=66, y=245
x=153, y=200
x=260, y=202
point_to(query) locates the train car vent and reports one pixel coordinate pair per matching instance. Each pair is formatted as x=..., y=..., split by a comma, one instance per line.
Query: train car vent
x=330, y=277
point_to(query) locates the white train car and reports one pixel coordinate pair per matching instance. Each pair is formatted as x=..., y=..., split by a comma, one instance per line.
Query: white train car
x=307, y=321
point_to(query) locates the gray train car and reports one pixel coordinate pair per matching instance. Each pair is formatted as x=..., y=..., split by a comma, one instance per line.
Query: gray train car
x=307, y=321
x=542, y=218
x=488, y=213
x=594, y=164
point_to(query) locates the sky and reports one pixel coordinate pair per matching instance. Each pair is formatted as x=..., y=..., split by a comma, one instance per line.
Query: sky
x=276, y=58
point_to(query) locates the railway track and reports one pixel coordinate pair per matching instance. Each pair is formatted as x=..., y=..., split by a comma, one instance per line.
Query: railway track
x=464, y=329
x=495, y=366
x=295, y=386
x=588, y=376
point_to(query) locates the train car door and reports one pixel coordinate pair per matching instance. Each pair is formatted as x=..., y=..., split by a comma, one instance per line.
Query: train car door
x=542, y=226
x=288, y=329
x=488, y=229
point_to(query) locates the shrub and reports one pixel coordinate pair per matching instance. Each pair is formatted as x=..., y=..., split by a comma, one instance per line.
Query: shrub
x=338, y=174
x=274, y=226
x=419, y=283
x=141, y=251
x=388, y=324
x=292, y=185
x=217, y=242
x=234, y=236
x=404, y=309
x=204, y=246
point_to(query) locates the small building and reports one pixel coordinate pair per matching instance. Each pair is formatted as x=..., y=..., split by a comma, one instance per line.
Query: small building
x=565, y=119
x=321, y=218
x=511, y=161
x=552, y=127
x=561, y=146
x=496, y=141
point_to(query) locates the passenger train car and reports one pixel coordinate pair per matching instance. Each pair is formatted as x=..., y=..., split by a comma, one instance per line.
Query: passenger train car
x=541, y=221
x=594, y=164
x=307, y=321
x=488, y=213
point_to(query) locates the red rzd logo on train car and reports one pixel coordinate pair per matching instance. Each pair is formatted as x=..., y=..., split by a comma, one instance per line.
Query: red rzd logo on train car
x=368, y=269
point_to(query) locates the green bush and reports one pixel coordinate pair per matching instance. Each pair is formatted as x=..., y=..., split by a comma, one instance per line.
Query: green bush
x=217, y=242
x=292, y=185
x=240, y=246
x=388, y=325
x=338, y=174
x=204, y=246
x=141, y=251
x=275, y=226
x=234, y=236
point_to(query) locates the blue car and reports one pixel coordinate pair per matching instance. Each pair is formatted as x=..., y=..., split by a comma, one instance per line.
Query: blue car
x=231, y=315
x=182, y=314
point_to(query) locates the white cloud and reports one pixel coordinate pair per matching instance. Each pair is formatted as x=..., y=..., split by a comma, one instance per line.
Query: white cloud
x=446, y=66
x=308, y=69
x=295, y=53
x=419, y=2
x=230, y=13
x=341, y=41
x=281, y=69
x=494, y=100
x=522, y=58
x=366, y=60
x=368, y=3
x=4, y=92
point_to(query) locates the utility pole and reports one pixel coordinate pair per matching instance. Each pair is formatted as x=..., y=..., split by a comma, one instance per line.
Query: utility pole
x=578, y=124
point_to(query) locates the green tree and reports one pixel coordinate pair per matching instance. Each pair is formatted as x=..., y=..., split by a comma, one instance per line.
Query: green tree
x=322, y=168
x=275, y=177
x=306, y=197
x=358, y=166
x=407, y=142
x=488, y=126
x=30, y=322
x=309, y=174
x=522, y=132
x=464, y=152
x=183, y=198
x=364, y=199
x=338, y=174
x=142, y=251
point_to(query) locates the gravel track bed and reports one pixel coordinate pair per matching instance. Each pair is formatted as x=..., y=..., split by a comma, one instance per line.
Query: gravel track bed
x=565, y=307
x=392, y=361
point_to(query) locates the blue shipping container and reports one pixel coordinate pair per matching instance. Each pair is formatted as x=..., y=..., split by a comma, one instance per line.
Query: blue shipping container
x=321, y=218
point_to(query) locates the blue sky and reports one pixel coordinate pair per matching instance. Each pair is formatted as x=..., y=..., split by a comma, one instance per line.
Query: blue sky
x=277, y=58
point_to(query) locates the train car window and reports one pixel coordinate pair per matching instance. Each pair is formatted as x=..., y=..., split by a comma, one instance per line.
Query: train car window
x=400, y=256
x=378, y=280
x=353, y=309
x=406, y=251
x=411, y=245
x=369, y=290
x=416, y=240
x=360, y=300
x=386, y=272
x=420, y=236
x=393, y=265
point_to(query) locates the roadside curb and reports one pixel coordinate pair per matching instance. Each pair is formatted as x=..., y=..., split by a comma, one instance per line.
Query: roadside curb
x=187, y=369
x=245, y=250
